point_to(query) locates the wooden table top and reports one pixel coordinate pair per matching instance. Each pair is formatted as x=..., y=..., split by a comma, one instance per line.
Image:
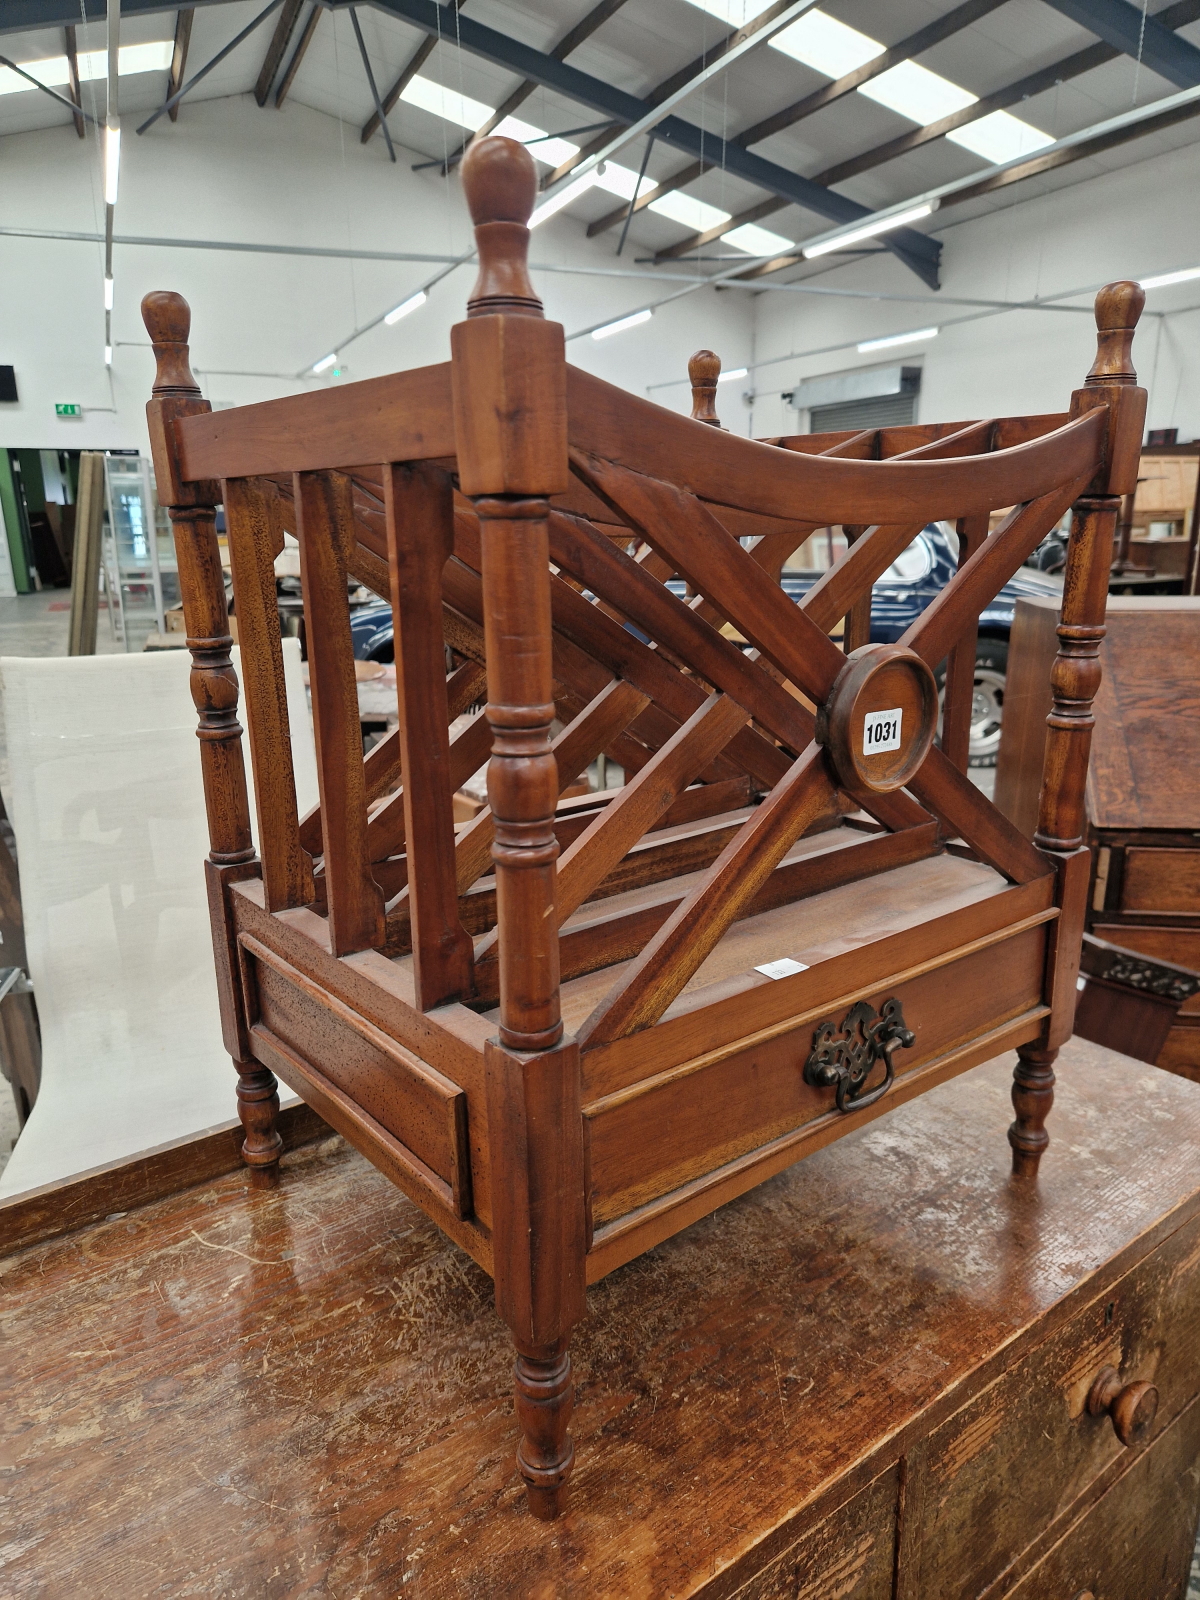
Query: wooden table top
x=308, y=1391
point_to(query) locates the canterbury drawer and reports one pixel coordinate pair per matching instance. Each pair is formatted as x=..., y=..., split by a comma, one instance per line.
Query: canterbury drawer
x=1136, y=1542
x=1029, y=1441
x=848, y=1556
x=353, y=1073
x=657, y=1135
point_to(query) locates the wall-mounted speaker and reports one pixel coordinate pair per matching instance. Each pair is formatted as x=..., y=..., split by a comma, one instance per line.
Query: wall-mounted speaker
x=8, y=383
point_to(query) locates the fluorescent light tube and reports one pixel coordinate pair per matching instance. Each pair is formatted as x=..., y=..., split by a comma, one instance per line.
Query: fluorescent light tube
x=737, y=372
x=869, y=230
x=112, y=160
x=621, y=324
x=325, y=363
x=1165, y=278
x=108, y=294
x=108, y=355
x=405, y=306
x=896, y=338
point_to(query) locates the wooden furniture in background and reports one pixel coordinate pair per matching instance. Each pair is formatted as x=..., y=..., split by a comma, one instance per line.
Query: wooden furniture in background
x=1166, y=493
x=1128, y=1002
x=1143, y=802
x=567, y=1030
x=85, y=555
x=868, y=1379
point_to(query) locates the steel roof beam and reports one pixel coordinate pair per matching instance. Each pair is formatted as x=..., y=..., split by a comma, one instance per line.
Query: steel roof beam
x=1124, y=26
x=582, y=30
x=924, y=39
x=1177, y=15
x=915, y=249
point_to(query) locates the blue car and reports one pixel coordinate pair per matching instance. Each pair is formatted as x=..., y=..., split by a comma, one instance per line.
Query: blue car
x=897, y=599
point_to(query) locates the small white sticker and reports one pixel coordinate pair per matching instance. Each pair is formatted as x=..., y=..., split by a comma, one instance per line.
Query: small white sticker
x=1081, y=982
x=881, y=731
x=782, y=968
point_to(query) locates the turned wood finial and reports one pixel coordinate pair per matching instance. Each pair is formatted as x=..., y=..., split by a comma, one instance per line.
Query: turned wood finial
x=501, y=186
x=1118, y=307
x=704, y=369
x=168, y=319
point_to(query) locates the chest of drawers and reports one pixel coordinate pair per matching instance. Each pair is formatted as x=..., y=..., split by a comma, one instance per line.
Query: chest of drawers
x=868, y=1379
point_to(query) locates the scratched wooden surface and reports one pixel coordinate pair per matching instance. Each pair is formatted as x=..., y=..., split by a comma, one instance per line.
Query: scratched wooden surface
x=307, y=1391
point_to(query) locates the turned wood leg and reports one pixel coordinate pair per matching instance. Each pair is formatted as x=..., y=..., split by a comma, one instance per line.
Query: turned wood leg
x=258, y=1108
x=545, y=1396
x=1032, y=1097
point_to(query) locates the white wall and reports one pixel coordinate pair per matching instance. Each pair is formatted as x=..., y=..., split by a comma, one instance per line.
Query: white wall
x=1131, y=223
x=230, y=171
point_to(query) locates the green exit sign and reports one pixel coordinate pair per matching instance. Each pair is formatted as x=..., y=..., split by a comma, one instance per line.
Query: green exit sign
x=68, y=411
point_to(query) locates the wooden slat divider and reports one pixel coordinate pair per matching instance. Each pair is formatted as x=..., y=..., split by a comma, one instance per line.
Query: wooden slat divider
x=420, y=528
x=575, y=748
x=577, y=548
x=934, y=632
x=387, y=829
x=619, y=936
x=255, y=537
x=960, y=668
x=965, y=810
x=381, y=765
x=326, y=531
x=652, y=981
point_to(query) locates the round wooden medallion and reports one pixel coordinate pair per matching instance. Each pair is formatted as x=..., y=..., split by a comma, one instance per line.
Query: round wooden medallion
x=880, y=718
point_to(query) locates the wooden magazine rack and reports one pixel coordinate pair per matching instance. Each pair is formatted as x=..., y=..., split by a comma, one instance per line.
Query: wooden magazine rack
x=552, y=1026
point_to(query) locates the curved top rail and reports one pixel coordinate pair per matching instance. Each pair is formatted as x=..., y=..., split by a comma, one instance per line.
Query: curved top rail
x=728, y=470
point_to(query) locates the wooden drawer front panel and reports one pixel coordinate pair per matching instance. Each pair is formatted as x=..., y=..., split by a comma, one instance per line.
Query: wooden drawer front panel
x=666, y=1130
x=1161, y=880
x=1135, y=1543
x=421, y=1110
x=849, y=1556
x=1028, y=1441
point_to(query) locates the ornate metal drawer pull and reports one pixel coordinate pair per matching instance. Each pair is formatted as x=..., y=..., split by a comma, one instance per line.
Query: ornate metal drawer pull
x=846, y=1058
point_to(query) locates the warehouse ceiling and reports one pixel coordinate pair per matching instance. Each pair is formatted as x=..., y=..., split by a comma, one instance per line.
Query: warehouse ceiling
x=822, y=113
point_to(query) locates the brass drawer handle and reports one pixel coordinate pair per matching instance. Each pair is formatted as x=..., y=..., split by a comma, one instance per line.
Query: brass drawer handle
x=1132, y=1406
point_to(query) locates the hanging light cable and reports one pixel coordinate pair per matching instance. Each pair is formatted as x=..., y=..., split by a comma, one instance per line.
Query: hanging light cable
x=112, y=167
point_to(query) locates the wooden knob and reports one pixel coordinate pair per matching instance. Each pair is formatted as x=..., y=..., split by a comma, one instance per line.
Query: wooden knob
x=1118, y=307
x=168, y=320
x=704, y=369
x=500, y=181
x=1132, y=1406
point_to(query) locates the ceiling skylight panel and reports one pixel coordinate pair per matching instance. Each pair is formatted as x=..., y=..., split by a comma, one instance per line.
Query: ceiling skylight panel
x=619, y=180
x=826, y=45
x=155, y=57
x=1000, y=137
x=93, y=65
x=686, y=209
x=735, y=12
x=446, y=103
x=550, y=152
x=756, y=241
x=916, y=93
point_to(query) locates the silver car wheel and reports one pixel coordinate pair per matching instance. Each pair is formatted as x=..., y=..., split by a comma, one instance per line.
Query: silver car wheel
x=987, y=712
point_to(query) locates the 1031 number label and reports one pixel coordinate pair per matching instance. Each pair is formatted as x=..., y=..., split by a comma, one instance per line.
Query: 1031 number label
x=881, y=731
